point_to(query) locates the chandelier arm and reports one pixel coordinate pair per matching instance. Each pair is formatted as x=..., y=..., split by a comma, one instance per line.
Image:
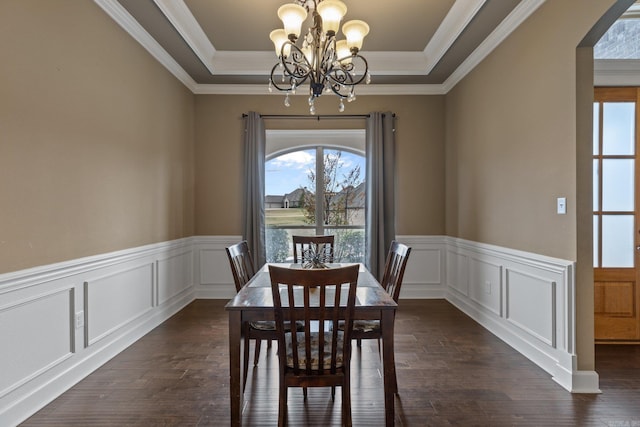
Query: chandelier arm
x=343, y=74
x=288, y=79
x=296, y=64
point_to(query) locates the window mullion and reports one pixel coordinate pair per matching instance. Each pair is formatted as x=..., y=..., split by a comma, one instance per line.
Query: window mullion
x=319, y=190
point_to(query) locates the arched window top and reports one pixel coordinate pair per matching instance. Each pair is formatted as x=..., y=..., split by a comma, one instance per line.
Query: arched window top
x=279, y=142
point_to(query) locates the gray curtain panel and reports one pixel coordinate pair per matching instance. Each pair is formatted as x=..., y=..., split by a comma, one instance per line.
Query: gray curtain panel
x=253, y=209
x=380, y=203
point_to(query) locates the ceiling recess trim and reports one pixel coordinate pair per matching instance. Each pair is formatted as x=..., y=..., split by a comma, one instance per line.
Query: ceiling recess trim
x=497, y=36
x=461, y=13
x=139, y=34
x=178, y=13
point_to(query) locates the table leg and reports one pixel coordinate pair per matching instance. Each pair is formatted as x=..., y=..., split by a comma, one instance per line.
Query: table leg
x=389, y=365
x=235, y=370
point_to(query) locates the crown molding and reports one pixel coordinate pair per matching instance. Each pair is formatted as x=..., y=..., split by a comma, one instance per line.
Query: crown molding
x=372, y=89
x=459, y=16
x=178, y=13
x=497, y=36
x=120, y=15
x=616, y=72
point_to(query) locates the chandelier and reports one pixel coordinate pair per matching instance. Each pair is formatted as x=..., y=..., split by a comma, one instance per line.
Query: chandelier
x=330, y=65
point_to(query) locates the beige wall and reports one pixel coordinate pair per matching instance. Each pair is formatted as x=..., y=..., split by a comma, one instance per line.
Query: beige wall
x=96, y=150
x=419, y=151
x=511, y=144
x=511, y=135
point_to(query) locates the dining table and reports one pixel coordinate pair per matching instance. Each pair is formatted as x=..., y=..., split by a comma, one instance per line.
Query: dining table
x=254, y=302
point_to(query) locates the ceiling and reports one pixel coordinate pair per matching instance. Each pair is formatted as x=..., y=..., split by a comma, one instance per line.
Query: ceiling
x=414, y=46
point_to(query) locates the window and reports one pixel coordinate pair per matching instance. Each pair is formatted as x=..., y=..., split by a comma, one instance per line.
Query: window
x=315, y=190
x=614, y=162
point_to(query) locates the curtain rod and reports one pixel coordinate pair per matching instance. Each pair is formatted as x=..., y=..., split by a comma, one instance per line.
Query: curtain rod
x=318, y=117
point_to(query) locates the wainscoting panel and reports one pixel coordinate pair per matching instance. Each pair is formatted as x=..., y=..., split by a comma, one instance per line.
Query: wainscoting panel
x=458, y=272
x=424, y=275
x=58, y=323
x=530, y=305
x=116, y=299
x=31, y=346
x=213, y=270
x=485, y=284
x=174, y=275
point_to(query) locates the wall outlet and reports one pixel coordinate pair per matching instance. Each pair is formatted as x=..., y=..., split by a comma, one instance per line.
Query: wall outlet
x=79, y=319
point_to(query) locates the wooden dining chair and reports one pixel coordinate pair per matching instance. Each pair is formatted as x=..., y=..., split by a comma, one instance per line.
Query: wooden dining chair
x=395, y=265
x=318, y=355
x=243, y=269
x=305, y=247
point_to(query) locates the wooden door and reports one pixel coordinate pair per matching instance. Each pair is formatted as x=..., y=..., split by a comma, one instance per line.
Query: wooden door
x=615, y=206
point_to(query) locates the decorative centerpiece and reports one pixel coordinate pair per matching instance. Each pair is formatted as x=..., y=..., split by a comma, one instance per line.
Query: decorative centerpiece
x=315, y=256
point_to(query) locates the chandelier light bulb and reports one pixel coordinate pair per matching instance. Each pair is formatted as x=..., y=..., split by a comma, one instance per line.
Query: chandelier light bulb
x=292, y=16
x=342, y=51
x=331, y=12
x=279, y=37
x=355, y=31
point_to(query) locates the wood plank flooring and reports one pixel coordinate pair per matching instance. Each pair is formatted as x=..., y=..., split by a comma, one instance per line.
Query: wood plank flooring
x=451, y=372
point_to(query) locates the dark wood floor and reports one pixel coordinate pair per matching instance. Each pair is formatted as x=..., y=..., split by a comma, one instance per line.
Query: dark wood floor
x=451, y=371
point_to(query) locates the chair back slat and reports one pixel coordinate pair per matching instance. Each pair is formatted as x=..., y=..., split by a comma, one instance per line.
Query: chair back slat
x=319, y=299
x=241, y=262
x=396, y=263
x=306, y=246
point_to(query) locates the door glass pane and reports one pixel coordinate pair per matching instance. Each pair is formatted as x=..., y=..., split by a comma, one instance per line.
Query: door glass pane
x=617, y=185
x=617, y=241
x=596, y=236
x=596, y=128
x=596, y=185
x=618, y=128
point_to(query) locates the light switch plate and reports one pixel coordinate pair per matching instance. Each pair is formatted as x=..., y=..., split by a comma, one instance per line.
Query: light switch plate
x=562, y=205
